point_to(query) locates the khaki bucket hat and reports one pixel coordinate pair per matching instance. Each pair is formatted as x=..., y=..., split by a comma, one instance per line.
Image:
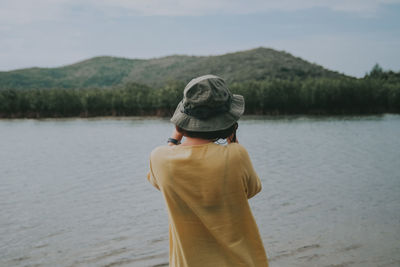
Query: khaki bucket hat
x=208, y=106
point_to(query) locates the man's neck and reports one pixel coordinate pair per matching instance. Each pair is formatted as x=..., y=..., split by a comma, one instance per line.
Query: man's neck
x=191, y=141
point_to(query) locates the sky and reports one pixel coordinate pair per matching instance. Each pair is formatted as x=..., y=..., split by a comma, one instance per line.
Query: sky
x=348, y=36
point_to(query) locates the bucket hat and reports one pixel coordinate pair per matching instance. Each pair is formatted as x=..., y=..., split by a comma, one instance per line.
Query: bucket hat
x=207, y=106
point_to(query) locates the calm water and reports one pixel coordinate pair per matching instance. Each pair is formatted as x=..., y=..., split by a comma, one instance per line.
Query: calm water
x=74, y=192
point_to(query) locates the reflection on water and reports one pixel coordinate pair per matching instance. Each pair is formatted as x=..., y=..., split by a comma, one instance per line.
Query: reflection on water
x=73, y=192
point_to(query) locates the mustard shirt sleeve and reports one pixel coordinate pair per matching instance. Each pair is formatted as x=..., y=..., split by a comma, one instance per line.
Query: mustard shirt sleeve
x=152, y=179
x=252, y=181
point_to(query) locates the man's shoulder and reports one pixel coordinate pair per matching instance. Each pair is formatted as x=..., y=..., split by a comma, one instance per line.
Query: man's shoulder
x=159, y=150
x=237, y=147
x=239, y=150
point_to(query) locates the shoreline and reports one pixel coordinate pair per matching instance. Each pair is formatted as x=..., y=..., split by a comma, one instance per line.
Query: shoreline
x=244, y=117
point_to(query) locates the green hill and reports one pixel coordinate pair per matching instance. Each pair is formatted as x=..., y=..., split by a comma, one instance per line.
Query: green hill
x=251, y=65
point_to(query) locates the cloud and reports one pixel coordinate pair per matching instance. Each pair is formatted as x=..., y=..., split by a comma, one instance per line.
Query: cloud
x=206, y=7
x=25, y=11
x=28, y=11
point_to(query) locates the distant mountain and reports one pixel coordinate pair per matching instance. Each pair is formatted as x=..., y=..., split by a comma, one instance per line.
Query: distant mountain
x=100, y=72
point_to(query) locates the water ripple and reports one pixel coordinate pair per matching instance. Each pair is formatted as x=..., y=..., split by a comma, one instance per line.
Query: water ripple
x=74, y=192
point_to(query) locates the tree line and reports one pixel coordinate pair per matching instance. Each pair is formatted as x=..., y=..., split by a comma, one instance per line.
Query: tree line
x=377, y=92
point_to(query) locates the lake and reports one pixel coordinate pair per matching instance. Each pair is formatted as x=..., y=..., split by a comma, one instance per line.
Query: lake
x=73, y=192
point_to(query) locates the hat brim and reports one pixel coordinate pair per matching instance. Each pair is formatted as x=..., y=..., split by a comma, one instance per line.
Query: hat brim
x=216, y=123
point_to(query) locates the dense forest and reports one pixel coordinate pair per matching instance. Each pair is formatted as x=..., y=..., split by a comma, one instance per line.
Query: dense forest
x=377, y=92
x=272, y=82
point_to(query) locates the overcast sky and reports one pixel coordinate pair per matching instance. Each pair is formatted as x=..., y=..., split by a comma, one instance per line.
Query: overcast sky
x=348, y=36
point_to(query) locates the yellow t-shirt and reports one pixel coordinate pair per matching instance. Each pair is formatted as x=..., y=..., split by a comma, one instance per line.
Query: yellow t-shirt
x=206, y=188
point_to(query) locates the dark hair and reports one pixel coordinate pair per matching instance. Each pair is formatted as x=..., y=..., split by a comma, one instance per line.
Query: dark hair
x=215, y=135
